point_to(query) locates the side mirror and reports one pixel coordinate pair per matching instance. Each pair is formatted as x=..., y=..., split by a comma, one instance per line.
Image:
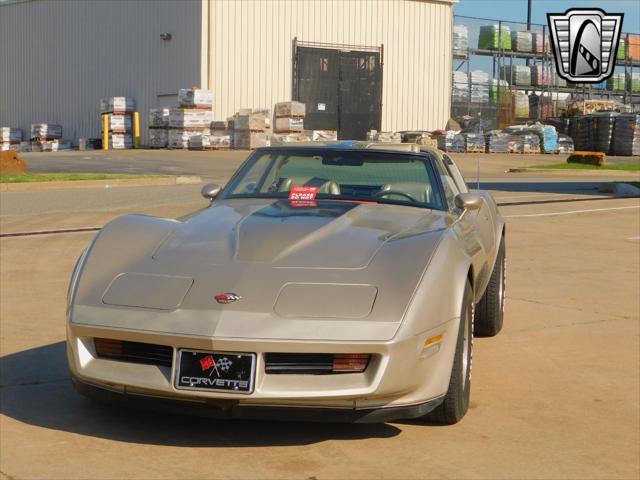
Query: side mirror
x=468, y=201
x=210, y=191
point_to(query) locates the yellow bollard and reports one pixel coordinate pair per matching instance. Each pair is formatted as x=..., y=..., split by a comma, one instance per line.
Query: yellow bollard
x=105, y=131
x=136, y=130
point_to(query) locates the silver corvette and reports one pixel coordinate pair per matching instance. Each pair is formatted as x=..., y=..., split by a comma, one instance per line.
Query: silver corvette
x=338, y=282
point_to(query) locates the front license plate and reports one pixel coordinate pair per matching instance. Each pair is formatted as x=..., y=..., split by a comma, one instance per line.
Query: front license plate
x=211, y=371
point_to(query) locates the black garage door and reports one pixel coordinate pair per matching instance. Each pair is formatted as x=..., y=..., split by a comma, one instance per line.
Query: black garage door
x=341, y=88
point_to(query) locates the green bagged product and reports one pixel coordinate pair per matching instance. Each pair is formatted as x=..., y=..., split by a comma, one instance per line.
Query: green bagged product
x=494, y=37
x=621, y=54
x=617, y=82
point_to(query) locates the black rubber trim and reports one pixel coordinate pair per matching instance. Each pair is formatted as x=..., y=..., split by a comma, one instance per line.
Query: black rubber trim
x=222, y=409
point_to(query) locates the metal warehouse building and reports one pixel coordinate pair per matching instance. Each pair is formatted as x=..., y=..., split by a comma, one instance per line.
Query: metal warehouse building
x=356, y=64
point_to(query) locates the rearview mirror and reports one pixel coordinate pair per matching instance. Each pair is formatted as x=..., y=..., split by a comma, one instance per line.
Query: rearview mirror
x=468, y=201
x=210, y=191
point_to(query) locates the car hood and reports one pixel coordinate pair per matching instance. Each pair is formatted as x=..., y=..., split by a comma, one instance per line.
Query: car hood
x=331, y=270
x=341, y=235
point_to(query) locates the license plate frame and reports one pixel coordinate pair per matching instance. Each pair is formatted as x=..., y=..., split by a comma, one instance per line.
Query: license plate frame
x=239, y=378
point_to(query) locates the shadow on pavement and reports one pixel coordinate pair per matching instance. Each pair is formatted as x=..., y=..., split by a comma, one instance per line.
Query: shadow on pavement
x=35, y=388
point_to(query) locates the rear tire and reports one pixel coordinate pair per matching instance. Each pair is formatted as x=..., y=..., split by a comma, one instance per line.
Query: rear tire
x=490, y=308
x=456, y=401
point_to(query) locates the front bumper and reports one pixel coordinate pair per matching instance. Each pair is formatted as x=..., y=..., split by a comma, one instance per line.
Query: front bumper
x=233, y=410
x=403, y=375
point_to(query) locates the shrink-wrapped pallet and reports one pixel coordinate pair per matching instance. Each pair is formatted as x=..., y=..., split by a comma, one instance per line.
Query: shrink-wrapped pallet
x=46, y=131
x=159, y=117
x=10, y=134
x=541, y=43
x=58, y=145
x=494, y=37
x=626, y=135
x=190, y=118
x=479, y=86
x=499, y=91
x=497, y=142
x=633, y=47
x=120, y=141
x=520, y=105
x=178, y=138
x=117, y=105
x=521, y=42
x=565, y=144
x=286, y=138
x=195, y=98
x=617, y=82
x=324, y=135
x=602, y=126
x=633, y=82
x=460, y=39
x=516, y=74
x=119, y=123
x=460, y=87
x=158, y=137
x=541, y=75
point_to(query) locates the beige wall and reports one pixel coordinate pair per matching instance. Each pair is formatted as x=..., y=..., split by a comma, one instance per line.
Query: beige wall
x=250, y=46
x=59, y=57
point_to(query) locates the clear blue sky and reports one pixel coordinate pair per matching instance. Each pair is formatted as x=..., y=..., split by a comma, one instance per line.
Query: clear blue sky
x=516, y=10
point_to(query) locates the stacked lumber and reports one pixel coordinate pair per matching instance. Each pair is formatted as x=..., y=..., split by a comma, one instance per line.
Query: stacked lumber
x=119, y=111
x=158, y=127
x=190, y=123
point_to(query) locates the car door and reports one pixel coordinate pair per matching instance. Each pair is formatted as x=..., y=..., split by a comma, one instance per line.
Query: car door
x=475, y=228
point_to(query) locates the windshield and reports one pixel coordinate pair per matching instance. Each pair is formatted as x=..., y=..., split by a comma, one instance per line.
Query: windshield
x=338, y=175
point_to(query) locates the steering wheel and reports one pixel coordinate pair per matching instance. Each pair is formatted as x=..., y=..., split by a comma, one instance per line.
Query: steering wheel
x=384, y=193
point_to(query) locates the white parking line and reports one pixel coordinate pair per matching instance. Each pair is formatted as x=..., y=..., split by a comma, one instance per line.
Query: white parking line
x=553, y=214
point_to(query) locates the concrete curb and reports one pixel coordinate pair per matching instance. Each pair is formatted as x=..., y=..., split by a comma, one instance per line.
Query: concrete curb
x=633, y=175
x=113, y=183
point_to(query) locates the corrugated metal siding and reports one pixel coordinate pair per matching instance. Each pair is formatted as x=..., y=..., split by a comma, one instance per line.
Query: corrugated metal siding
x=251, y=48
x=59, y=57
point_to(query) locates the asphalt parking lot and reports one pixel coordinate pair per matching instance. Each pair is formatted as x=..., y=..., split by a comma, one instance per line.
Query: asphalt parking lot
x=555, y=395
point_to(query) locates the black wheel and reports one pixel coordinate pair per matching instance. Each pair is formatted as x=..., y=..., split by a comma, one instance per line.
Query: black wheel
x=456, y=401
x=490, y=308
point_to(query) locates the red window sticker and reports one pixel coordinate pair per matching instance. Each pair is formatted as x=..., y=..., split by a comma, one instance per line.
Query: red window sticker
x=303, y=193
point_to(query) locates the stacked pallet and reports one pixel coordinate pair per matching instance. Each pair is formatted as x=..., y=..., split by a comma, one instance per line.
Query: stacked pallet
x=633, y=82
x=548, y=136
x=602, y=126
x=474, y=143
x=460, y=40
x=524, y=143
x=288, y=124
x=251, y=129
x=617, y=82
x=47, y=137
x=460, y=86
x=541, y=75
x=541, y=43
x=10, y=138
x=384, y=137
x=159, y=127
x=119, y=111
x=494, y=37
x=479, y=86
x=626, y=135
x=497, y=142
x=190, y=123
x=580, y=131
x=522, y=42
x=516, y=74
x=633, y=47
x=520, y=105
x=220, y=138
x=565, y=144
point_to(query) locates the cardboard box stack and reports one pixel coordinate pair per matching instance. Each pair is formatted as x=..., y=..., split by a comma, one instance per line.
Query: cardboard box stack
x=158, y=127
x=47, y=137
x=190, y=124
x=119, y=111
x=10, y=138
x=251, y=129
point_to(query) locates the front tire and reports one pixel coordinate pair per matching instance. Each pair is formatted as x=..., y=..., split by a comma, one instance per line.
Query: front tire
x=456, y=401
x=490, y=308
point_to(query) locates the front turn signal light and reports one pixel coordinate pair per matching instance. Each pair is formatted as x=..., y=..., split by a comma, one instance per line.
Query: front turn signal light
x=350, y=362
